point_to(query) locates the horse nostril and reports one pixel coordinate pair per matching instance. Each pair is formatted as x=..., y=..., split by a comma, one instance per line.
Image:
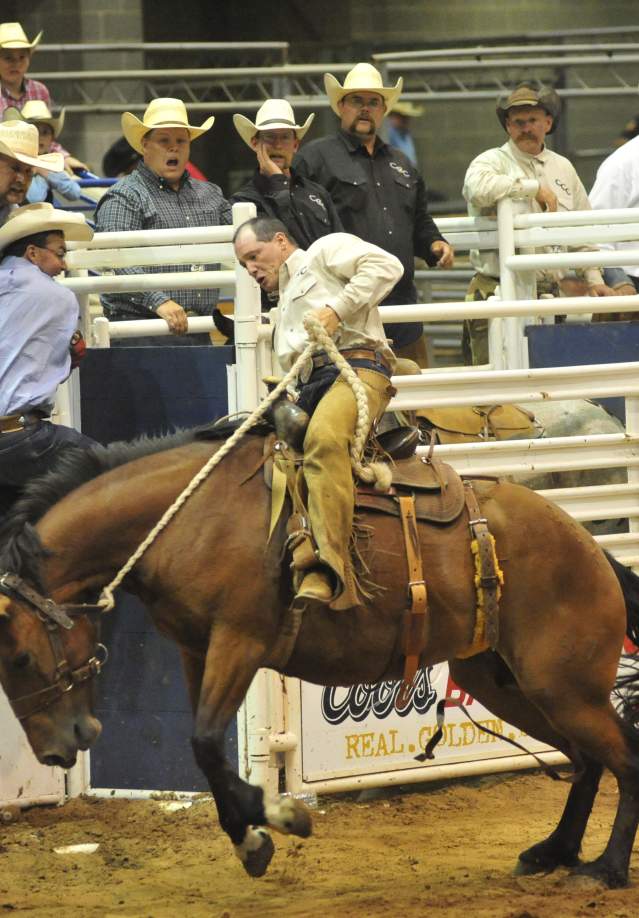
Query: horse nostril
x=58, y=761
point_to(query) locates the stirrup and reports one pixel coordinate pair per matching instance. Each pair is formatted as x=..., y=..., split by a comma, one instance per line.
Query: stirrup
x=399, y=442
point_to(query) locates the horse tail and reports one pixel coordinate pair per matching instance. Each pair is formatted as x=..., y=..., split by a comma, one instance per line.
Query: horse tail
x=629, y=583
x=625, y=695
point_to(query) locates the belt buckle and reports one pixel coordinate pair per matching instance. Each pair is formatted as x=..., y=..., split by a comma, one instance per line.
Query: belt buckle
x=305, y=371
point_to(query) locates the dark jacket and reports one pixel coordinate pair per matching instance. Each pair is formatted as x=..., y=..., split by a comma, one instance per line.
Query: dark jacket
x=382, y=199
x=303, y=206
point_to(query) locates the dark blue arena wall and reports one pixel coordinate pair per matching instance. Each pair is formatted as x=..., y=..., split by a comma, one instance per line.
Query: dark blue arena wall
x=579, y=344
x=141, y=695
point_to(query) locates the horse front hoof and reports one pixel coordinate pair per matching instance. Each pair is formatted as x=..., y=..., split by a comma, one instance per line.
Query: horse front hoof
x=604, y=872
x=544, y=858
x=289, y=816
x=256, y=852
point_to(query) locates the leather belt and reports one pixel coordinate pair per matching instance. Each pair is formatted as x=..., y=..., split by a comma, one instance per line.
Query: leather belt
x=9, y=423
x=354, y=353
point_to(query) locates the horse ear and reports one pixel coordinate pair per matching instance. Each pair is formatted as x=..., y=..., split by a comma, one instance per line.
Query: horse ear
x=5, y=602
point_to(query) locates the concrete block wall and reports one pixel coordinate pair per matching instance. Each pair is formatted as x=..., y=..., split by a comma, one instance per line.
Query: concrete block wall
x=87, y=136
x=449, y=134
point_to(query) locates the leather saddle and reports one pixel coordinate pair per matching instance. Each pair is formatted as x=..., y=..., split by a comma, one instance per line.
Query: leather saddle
x=481, y=422
x=437, y=488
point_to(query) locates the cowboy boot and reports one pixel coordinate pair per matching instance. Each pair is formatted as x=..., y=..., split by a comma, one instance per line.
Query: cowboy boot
x=316, y=587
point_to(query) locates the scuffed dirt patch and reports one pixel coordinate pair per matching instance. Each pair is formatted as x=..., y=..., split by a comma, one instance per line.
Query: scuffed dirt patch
x=445, y=852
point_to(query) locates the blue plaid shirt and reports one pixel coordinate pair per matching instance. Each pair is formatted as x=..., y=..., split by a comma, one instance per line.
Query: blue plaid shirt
x=143, y=200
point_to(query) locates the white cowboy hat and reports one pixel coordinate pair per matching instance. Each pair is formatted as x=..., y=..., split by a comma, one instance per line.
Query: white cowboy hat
x=362, y=78
x=161, y=113
x=43, y=218
x=19, y=140
x=275, y=114
x=408, y=109
x=12, y=36
x=34, y=111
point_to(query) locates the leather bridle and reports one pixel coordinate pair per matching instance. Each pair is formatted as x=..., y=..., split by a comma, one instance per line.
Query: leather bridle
x=54, y=617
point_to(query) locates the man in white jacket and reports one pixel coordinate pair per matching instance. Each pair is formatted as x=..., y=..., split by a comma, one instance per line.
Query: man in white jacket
x=528, y=116
x=342, y=279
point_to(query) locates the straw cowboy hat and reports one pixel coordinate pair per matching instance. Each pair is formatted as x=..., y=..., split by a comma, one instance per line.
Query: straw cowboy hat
x=12, y=36
x=275, y=114
x=34, y=111
x=161, y=113
x=362, y=78
x=19, y=140
x=526, y=95
x=408, y=109
x=43, y=218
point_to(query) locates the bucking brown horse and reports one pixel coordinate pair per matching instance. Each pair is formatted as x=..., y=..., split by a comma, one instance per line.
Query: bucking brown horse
x=215, y=584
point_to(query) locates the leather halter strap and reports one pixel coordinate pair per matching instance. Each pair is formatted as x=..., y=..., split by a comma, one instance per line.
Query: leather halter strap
x=54, y=617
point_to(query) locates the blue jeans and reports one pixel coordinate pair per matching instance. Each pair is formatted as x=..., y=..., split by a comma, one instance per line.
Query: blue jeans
x=31, y=452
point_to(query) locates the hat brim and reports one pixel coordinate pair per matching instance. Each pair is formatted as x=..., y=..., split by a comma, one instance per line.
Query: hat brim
x=12, y=114
x=134, y=129
x=247, y=129
x=502, y=111
x=51, y=162
x=336, y=92
x=27, y=223
x=409, y=109
x=23, y=44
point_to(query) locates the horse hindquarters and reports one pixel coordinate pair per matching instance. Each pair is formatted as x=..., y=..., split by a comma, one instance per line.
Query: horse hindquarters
x=562, y=627
x=487, y=679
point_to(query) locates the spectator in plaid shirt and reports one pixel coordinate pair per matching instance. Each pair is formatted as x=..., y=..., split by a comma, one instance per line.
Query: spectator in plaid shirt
x=15, y=87
x=160, y=194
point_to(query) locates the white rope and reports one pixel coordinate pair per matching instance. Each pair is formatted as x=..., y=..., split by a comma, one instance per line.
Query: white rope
x=378, y=472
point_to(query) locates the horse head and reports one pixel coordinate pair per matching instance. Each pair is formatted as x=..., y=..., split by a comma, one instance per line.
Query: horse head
x=49, y=654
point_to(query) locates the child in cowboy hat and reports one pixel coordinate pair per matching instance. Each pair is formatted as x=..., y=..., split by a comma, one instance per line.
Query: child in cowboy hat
x=16, y=89
x=43, y=184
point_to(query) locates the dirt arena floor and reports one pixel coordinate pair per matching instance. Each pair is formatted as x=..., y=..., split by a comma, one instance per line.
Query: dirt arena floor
x=437, y=851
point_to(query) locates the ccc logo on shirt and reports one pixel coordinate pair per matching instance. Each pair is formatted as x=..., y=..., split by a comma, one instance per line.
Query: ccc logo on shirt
x=316, y=200
x=562, y=186
x=400, y=169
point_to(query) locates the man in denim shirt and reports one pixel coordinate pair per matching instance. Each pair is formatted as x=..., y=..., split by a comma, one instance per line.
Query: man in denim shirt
x=38, y=319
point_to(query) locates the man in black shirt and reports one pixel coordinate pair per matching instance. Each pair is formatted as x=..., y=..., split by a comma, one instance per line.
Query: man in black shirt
x=379, y=195
x=304, y=207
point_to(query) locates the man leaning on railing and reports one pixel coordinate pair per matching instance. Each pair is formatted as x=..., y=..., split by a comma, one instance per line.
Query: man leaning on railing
x=528, y=116
x=160, y=194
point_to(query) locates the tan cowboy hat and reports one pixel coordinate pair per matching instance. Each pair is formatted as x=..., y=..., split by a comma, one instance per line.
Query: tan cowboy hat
x=19, y=140
x=362, y=78
x=408, y=109
x=43, y=218
x=524, y=94
x=275, y=114
x=34, y=111
x=12, y=36
x=161, y=113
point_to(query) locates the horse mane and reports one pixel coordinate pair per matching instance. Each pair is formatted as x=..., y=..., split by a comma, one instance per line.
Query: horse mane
x=21, y=551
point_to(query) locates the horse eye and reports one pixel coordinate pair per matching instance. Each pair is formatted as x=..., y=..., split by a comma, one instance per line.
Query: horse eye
x=22, y=660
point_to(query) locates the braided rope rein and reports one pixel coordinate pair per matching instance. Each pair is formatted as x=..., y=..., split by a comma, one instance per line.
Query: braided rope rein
x=377, y=472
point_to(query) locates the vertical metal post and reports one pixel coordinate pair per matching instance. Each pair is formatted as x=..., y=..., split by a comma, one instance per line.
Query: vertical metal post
x=513, y=285
x=100, y=333
x=83, y=302
x=632, y=429
x=256, y=762
x=247, y=319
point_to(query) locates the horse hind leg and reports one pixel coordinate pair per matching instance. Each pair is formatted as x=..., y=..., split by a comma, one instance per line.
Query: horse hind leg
x=581, y=711
x=487, y=678
x=232, y=661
